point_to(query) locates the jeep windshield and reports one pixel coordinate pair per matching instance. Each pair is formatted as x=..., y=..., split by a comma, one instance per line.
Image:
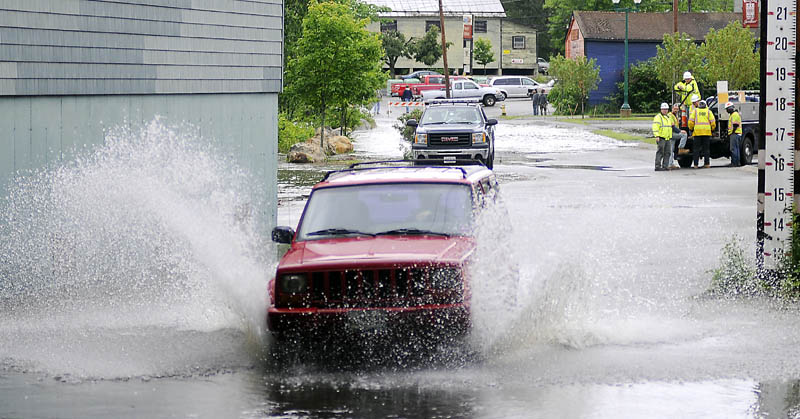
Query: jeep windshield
x=441, y=209
x=456, y=115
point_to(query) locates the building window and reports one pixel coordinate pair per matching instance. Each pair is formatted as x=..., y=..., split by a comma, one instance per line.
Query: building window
x=574, y=35
x=480, y=26
x=518, y=42
x=429, y=23
x=388, y=25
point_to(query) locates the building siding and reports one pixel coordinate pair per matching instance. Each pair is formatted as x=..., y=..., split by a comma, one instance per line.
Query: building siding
x=76, y=47
x=46, y=131
x=72, y=69
x=527, y=55
x=610, y=58
x=574, y=46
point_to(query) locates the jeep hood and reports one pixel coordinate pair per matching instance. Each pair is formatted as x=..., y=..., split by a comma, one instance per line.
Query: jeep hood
x=381, y=250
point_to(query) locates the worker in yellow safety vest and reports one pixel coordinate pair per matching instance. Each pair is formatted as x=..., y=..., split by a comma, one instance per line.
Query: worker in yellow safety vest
x=734, y=133
x=702, y=123
x=662, y=130
x=679, y=136
x=687, y=88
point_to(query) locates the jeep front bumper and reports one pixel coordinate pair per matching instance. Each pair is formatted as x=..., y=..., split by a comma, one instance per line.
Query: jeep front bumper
x=310, y=322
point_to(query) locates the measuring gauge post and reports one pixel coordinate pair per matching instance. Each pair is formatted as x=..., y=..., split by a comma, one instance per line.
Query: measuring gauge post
x=776, y=155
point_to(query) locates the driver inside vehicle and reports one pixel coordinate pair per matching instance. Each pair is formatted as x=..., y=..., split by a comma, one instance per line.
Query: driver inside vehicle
x=463, y=116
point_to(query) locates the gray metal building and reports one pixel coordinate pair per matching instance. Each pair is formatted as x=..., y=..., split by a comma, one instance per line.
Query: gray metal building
x=71, y=69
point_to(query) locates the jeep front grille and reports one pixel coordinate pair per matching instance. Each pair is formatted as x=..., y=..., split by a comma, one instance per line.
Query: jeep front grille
x=380, y=288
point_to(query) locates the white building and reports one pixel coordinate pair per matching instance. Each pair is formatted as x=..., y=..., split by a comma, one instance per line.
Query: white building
x=514, y=45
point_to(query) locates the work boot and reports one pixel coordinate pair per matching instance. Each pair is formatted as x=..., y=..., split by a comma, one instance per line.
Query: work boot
x=706, y=166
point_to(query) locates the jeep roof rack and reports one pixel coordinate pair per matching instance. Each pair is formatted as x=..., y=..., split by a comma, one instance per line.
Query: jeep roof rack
x=407, y=164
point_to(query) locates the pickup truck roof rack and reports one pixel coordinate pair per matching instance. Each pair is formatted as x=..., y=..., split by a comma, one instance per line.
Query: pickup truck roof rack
x=396, y=164
x=450, y=101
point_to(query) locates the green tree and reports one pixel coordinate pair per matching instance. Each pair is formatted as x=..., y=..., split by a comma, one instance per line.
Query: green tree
x=294, y=13
x=338, y=62
x=483, y=52
x=394, y=46
x=427, y=49
x=576, y=79
x=677, y=53
x=730, y=55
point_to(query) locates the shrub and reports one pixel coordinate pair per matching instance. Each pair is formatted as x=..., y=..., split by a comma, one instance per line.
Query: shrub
x=406, y=131
x=736, y=275
x=291, y=132
x=576, y=79
x=645, y=91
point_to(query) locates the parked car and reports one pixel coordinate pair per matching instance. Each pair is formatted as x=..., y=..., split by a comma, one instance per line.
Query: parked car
x=381, y=249
x=419, y=73
x=544, y=66
x=454, y=130
x=518, y=86
x=464, y=89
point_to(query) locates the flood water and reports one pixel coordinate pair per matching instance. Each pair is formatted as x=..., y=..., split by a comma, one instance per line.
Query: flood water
x=133, y=284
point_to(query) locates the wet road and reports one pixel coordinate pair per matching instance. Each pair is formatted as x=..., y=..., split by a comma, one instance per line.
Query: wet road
x=608, y=319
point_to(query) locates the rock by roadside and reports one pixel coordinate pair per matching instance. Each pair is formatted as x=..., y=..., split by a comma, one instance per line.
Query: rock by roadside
x=311, y=151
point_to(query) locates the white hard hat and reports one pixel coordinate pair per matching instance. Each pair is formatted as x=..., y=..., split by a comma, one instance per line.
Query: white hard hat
x=695, y=98
x=664, y=105
x=687, y=75
x=728, y=105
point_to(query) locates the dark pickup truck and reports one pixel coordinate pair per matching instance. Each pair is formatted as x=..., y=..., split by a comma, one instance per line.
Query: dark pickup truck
x=747, y=105
x=454, y=130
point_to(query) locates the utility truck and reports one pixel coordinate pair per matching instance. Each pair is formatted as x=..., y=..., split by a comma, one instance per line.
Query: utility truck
x=746, y=102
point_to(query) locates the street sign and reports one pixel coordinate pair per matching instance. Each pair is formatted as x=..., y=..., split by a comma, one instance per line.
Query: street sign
x=777, y=160
x=750, y=13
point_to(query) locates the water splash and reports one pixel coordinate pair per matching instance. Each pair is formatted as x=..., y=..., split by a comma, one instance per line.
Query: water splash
x=579, y=282
x=155, y=229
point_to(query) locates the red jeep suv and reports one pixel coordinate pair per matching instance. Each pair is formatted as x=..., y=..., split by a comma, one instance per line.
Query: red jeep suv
x=381, y=249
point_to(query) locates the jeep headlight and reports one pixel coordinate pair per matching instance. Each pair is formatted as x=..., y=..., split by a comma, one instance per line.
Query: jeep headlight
x=421, y=139
x=478, y=137
x=293, y=284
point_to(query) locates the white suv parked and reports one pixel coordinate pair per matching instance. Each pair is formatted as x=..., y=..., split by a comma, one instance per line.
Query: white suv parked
x=518, y=86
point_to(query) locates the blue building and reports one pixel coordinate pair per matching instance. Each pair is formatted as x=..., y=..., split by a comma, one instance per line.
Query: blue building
x=601, y=35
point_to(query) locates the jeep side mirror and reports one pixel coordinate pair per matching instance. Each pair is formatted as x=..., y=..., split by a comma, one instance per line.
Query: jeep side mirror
x=282, y=234
x=491, y=122
x=412, y=123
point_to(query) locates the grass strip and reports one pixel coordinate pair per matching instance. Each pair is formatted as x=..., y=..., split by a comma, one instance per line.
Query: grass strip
x=623, y=136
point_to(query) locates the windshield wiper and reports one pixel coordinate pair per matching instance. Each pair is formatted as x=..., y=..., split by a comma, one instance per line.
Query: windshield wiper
x=411, y=231
x=434, y=123
x=338, y=232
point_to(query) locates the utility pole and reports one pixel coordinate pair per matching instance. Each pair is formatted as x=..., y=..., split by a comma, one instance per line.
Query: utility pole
x=444, y=53
x=674, y=16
